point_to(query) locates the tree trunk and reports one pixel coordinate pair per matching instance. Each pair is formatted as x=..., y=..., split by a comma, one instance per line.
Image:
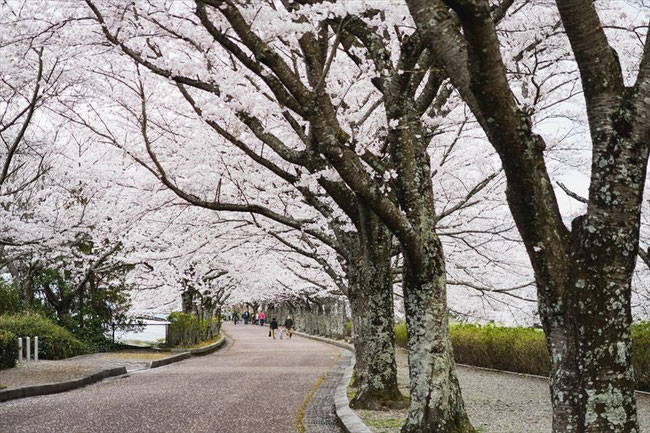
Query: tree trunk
x=592, y=380
x=436, y=400
x=372, y=317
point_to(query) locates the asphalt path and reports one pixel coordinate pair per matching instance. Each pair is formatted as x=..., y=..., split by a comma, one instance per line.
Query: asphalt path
x=254, y=384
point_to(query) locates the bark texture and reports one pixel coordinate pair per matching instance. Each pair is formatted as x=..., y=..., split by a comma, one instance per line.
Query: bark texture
x=436, y=400
x=372, y=313
x=583, y=275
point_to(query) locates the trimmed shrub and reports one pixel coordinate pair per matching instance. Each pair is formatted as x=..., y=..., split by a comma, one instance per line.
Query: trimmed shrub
x=8, y=349
x=522, y=350
x=54, y=341
x=9, y=298
x=189, y=329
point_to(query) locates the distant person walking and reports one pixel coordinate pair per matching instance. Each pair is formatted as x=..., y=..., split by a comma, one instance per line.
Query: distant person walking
x=235, y=317
x=274, y=327
x=288, y=324
x=262, y=317
x=245, y=315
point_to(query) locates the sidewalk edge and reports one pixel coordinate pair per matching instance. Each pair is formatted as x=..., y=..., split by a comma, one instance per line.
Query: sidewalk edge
x=55, y=388
x=348, y=419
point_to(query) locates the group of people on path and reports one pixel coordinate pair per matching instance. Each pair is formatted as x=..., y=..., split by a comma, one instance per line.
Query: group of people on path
x=288, y=328
x=255, y=317
x=259, y=318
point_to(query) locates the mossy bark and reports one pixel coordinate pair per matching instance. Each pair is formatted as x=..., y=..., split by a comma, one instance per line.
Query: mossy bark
x=372, y=317
x=436, y=400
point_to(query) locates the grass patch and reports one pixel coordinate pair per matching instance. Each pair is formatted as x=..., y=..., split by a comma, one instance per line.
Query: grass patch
x=386, y=423
x=138, y=355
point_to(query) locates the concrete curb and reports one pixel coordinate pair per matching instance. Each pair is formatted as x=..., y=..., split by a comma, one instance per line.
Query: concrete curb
x=525, y=375
x=204, y=350
x=338, y=343
x=348, y=419
x=170, y=359
x=54, y=388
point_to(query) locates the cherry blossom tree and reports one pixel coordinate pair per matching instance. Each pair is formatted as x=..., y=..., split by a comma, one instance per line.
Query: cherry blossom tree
x=372, y=175
x=584, y=273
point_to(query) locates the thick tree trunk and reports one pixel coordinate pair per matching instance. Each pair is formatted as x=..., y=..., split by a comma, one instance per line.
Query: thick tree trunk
x=592, y=380
x=436, y=400
x=584, y=288
x=372, y=313
x=583, y=276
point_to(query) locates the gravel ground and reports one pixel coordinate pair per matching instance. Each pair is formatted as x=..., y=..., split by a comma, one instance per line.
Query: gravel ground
x=496, y=402
x=253, y=384
x=42, y=372
x=320, y=415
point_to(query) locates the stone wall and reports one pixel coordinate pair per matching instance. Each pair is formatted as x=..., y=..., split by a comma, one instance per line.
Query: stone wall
x=325, y=317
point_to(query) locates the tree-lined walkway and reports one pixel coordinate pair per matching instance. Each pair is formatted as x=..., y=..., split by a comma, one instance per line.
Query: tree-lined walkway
x=254, y=384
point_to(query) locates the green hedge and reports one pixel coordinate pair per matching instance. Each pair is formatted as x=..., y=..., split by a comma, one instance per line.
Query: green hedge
x=641, y=354
x=189, y=329
x=8, y=349
x=54, y=342
x=523, y=350
x=400, y=334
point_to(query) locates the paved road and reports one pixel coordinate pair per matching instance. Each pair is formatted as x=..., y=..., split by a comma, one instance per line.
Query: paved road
x=254, y=384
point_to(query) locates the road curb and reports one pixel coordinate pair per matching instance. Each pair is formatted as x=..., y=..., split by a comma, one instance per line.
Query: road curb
x=208, y=349
x=170, y=359
x=338, y=343
x=54, y=388
x=348, y=419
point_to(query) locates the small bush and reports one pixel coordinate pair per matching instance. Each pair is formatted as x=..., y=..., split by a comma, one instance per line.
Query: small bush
x=54, y=341
x=401, y=339
x=8, y=349
x=190, y=329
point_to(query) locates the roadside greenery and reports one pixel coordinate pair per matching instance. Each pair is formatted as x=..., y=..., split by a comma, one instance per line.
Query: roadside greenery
x=523, y=350
x=190, y=329
x=8, y=349
x=87, y=294
x=55, y=342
